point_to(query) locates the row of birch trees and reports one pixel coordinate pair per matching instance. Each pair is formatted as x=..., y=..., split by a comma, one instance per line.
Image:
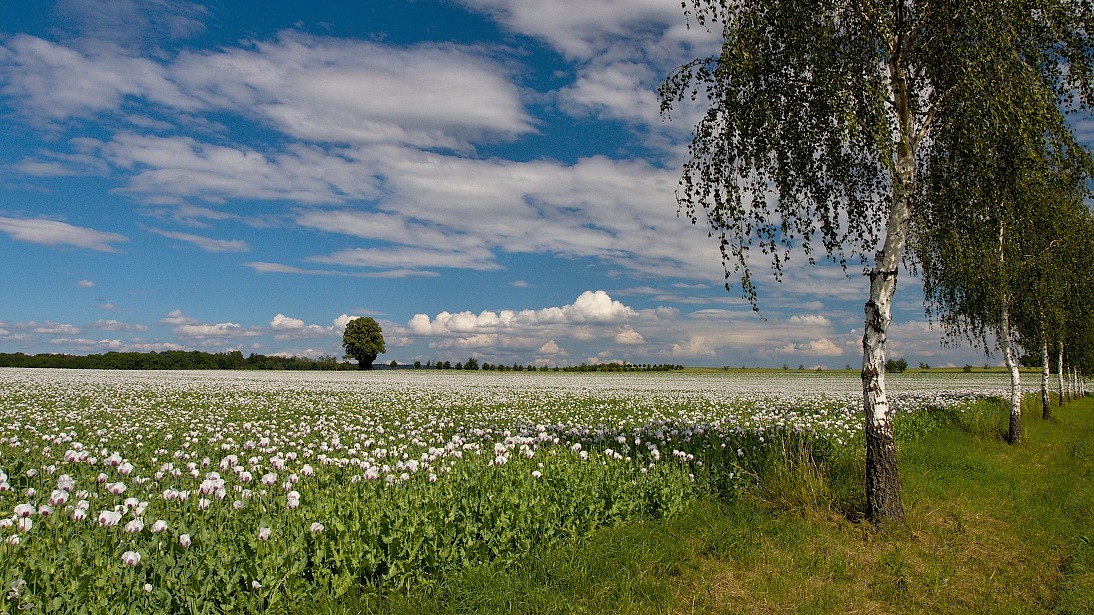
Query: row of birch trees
x=932, y=133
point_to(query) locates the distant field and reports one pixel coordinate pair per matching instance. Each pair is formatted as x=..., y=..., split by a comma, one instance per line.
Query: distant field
x=244, y=491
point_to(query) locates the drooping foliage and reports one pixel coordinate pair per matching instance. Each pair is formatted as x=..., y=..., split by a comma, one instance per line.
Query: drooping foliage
x=821, y=117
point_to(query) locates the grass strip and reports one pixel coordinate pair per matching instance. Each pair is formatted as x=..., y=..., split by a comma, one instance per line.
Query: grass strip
x=992, y=528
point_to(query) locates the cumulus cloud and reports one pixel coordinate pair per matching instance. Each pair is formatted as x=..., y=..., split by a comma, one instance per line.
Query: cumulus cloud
x=629, y=337
x=288, y=328
x=52, y=328
x=114, y=325
x=85, y=284
x=53, y=233
x=176, y=317
x=810, y=319
x=591, y=307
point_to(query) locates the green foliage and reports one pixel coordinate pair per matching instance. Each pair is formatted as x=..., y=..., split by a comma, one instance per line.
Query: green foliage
x=170, y=360
x=896, y=366
x=363, y=341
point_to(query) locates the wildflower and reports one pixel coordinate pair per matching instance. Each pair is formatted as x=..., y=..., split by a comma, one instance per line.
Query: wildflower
x=45, y=510
x=317, y=527
x=79, y=514
x=131, y=558
x=159, y=527
x=147, y=588
x=116, y=488
x=203, y=504
x=134, y=526
x=24, y=510
x=264, y=533
x=256, y=585
x=24, y=524
x=58, y=497
x=184, y=541
x=109, y=518
x=307, y=470
x=536, y=474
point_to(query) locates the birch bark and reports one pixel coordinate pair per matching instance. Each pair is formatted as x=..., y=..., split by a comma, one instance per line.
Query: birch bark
x=883, y=493
x=1046, y=399
x=1060, y=369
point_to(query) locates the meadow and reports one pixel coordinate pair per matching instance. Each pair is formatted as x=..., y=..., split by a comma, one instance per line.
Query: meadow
x=246, y=492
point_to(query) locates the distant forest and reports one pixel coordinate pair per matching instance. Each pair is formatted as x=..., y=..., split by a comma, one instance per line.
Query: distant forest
x=172, y=359
x=195, y=359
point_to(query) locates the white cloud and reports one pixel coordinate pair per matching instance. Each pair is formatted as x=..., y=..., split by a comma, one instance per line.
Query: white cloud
x=53, y=233
x=219, y=330
x=550, y=348
x=810, y=319
x=85, y=284
x=51, y=82
x=52, y=328
x=629, y=337
x=591, y=307
x=176, y=317
x=205, y=243
x=284, y=323
x=823, y=347
x=696, y=347
x=90, y=345
x=581, y=28
x=114, y=325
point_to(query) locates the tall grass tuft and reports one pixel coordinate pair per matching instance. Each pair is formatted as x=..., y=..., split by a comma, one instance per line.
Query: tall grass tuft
x=810, y=477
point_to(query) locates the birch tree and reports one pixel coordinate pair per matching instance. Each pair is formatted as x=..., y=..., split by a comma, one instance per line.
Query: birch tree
x=819, y=118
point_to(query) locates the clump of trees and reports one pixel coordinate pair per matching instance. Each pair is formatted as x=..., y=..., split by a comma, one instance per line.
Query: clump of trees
x=896, y=366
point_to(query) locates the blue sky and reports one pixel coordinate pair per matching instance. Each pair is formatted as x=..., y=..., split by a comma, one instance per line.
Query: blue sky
x=486, y=178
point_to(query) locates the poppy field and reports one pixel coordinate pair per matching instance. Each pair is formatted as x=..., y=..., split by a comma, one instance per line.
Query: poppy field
x=245, y=492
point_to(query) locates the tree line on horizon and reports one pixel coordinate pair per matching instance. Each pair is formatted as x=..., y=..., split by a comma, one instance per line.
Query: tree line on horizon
x=173, y=360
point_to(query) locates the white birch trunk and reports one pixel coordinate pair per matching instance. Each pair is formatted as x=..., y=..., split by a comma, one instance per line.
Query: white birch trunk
x=883, y=497
x=1060, y=369
x=1046, y=399
x=1005, y=344
x=1015, y=434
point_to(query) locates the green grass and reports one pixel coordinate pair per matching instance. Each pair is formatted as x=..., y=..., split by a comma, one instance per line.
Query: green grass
x=991, y=528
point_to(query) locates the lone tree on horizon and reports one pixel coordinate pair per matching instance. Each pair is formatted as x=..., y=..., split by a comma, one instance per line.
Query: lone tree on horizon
x=363, y=341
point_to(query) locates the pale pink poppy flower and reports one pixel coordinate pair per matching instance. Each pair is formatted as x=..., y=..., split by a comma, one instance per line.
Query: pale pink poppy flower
x=184, y=541
x=24, y=510
x=264, y=533
x=159, y=527
x=134, y=526
x=317, y=527
x=131, y=558
x=109, y=518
